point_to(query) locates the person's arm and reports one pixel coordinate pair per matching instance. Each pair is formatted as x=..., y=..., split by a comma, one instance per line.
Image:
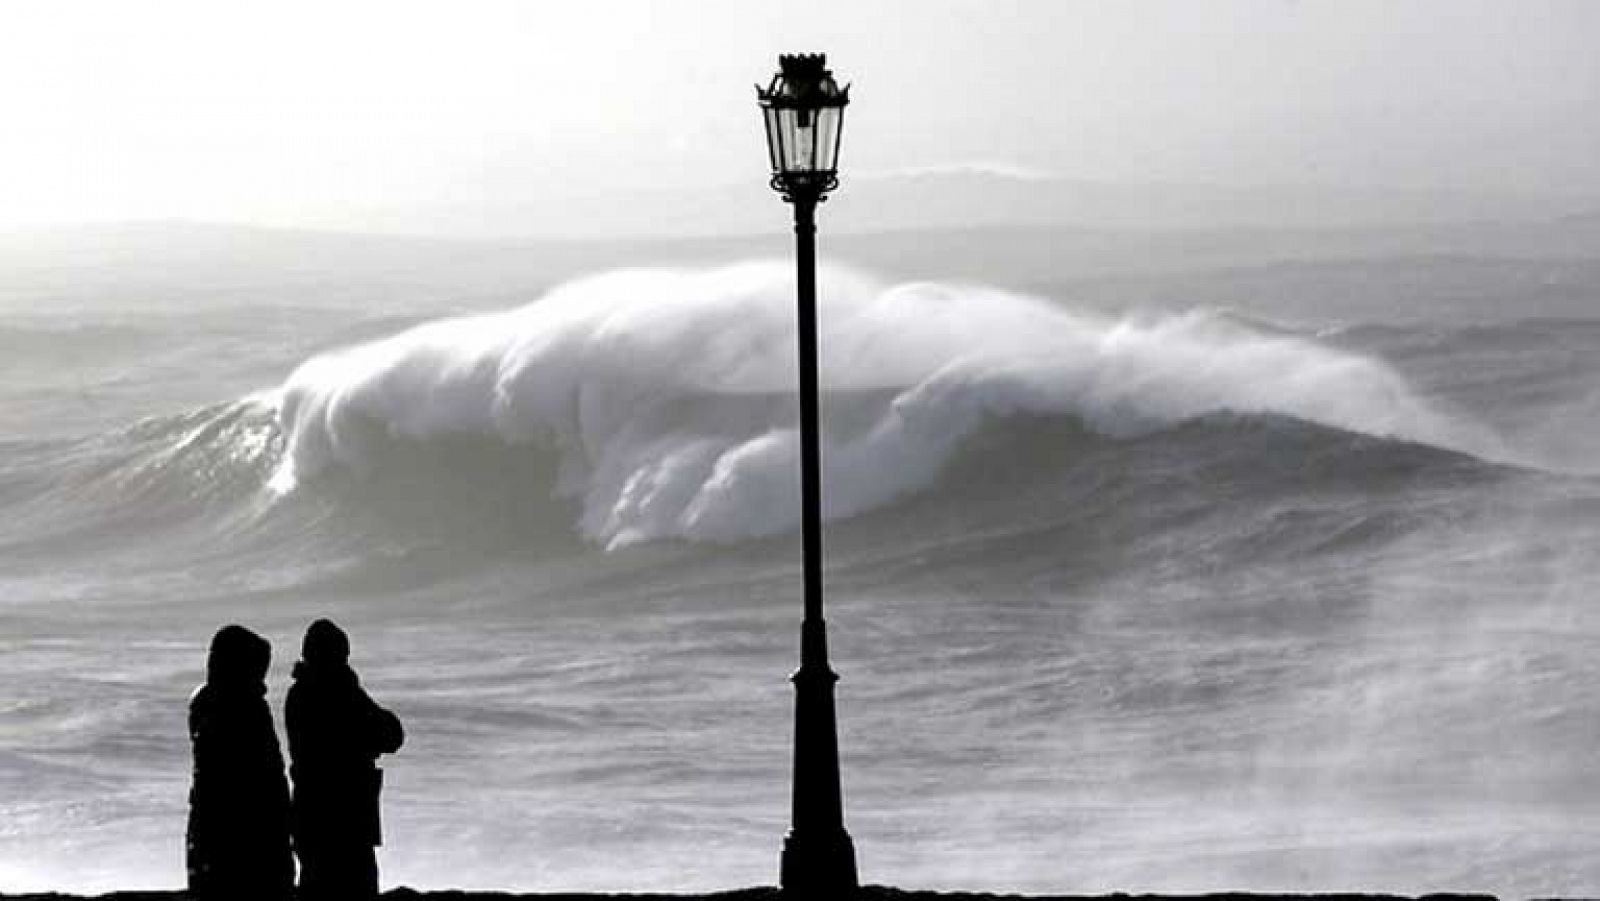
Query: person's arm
x=293, y=726
x=385, y=735
x=212, y=735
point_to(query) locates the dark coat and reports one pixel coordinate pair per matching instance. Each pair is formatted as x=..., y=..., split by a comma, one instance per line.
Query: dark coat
x=336, y=732
x=238, y=836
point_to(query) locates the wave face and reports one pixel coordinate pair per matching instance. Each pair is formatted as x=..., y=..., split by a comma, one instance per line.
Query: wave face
x=665, y=395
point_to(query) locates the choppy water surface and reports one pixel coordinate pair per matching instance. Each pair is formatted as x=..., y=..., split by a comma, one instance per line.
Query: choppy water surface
x=1175, y=583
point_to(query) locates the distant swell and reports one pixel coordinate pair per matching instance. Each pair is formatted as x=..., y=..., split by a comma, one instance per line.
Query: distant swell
x=664, y=398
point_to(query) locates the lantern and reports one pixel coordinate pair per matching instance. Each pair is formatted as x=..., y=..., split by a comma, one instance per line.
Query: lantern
x=804, y=112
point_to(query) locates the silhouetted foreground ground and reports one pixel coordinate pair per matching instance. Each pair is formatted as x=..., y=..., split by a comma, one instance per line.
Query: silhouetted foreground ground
x=871, y=893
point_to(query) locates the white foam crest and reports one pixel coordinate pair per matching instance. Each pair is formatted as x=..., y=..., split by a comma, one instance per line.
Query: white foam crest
x=668, y=394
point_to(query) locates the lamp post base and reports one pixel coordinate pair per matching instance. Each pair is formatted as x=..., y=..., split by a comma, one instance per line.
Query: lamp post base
x=819, y=860
x=819, y=865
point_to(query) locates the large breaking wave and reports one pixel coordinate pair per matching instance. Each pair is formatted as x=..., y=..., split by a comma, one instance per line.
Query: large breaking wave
x=666, y=396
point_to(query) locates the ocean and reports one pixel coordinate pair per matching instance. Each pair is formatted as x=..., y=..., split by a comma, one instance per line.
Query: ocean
x=1155, y=561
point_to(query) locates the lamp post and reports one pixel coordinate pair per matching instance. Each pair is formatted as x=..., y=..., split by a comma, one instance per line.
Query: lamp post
x=804, y=111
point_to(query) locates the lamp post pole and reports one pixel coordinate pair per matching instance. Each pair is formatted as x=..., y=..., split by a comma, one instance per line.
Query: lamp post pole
x=803, y=109
x=819, y=858
x=805, y=251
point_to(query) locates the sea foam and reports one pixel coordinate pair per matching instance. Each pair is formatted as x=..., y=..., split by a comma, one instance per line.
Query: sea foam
x=668, y=394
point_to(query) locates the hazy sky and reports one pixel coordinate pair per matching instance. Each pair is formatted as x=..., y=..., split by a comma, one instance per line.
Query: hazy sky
x=294, y=112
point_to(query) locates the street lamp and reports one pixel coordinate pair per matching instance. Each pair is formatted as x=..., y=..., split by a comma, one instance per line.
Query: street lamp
x=804, y=112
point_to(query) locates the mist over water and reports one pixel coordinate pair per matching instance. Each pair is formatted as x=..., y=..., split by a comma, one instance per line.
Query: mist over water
x=1259, y=594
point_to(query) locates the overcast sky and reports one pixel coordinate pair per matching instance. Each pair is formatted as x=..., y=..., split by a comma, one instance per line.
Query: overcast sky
x=298, y=113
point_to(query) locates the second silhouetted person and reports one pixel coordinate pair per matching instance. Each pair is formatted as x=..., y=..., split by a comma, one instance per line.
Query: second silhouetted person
x=336, y=732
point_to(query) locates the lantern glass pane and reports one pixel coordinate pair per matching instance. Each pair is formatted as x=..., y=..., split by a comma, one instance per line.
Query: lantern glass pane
x=828, y=120
x=799, y=133
x=773, y=156
x=783, y=122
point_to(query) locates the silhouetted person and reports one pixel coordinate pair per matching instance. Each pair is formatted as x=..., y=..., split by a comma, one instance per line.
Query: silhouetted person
x=336, y=733
x=238, y=837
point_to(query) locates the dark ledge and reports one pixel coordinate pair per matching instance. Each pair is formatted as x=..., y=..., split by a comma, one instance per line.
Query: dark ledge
x=870, y=893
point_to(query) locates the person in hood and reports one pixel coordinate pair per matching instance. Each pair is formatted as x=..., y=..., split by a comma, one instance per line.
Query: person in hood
x=336, y=733
x=238, y=837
